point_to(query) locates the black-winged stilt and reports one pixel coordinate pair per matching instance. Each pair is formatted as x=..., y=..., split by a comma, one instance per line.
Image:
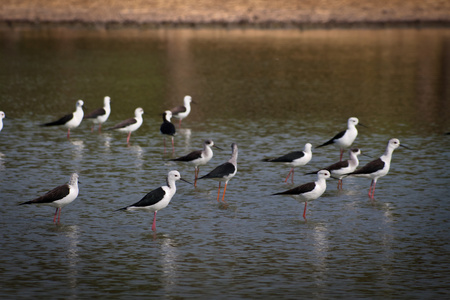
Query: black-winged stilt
x=345, y=139
x=167, y=128
x=199, y=157
x=341, y=168
x=158, y=198
x=225, y=171
x=309, y=191
x=70, y=121
x=378, y=167
x=59, y=196
x=100, y=115
x=294, y=159
x=131, y=124
x=182, y=111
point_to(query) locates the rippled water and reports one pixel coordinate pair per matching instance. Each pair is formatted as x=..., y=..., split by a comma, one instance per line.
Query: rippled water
x=268, y=91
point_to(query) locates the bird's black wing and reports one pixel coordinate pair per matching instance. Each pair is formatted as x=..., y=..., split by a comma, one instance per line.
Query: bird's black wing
x=331, y=141
x=151, y=198
x=288, y=157
x=370, y=167
x=189, y=157
x=61, y=121
x=51, y=196
x=177, y=110
x=304, y=188
x=221, y=171
x=167, y=128
x=98, y=112
x=123, y=124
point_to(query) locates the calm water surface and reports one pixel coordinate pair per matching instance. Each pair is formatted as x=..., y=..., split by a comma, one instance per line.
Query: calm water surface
x=270, y=92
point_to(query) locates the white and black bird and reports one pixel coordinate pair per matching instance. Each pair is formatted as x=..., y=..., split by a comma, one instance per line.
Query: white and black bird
x=131, y=124
x=70, y=121
x=225, y=171
x=345, y=139
x=2, y=116
x=59, y=196
x=294, y=159
x=199, y=157
x=309, y=191
x=182, y=111
x=159, y=198
x=341, y=168
x=378, y=167
x=167, y=128
x=100, y=115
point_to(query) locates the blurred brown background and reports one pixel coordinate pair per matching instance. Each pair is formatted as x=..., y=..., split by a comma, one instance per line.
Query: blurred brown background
x=269, y=13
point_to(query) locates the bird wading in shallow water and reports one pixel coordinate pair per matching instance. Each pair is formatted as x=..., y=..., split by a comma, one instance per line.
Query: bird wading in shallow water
x=340, y=169
x=224, y=172
x=182, y=111
x=294, y=159
x=100, y=115
x=59, y=196
x=131, y=124
x=345, y=139
x=199, y=158
x=70, y=121
x=158, y=198
x=167, y=128
x=309, y=191
x=378, y=167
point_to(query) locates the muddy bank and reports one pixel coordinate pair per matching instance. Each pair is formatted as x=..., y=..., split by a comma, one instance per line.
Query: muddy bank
x=252, y=13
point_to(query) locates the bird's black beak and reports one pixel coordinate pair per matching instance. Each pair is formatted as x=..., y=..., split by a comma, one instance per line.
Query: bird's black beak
x=366, y=155
x=405, y=147
x=217, y=147
x=185, y=181
x=361, y=124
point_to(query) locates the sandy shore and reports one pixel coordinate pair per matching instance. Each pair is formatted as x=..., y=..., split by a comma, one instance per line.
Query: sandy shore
x=253, y=13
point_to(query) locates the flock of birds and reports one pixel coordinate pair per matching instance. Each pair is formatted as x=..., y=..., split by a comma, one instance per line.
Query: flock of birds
x=159, y=198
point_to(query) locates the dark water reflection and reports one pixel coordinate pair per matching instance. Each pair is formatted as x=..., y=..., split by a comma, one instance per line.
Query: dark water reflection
x=268, y=91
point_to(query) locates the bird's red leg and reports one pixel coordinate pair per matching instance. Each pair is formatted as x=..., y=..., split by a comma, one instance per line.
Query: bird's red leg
x=288, y=175
x=197, y=170
x=59, y=214
x=154, y=221
x=128, y=137
x=223, y=195
x=304, y=211
x=68, y=133
x=54, y=218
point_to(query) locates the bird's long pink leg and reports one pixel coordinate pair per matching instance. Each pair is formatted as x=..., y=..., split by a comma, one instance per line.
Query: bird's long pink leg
x=288, y=175
x=68, y=133
x=164, y=145
x=179, y=124
x=218, y=193
x=128, y=137
x=304, y=211
x=373, y=190
x=342, y=153
x=154, y=221
x=197, y=170
x=99, y=128
x=54, y=218
x=59, y=214
x=223, y=195
x=173, y=146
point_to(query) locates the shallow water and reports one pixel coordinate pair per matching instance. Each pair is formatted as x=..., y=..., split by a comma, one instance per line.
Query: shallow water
x=270, y=92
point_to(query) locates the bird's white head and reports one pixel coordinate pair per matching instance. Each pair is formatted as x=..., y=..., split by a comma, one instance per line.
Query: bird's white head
x=168, y=115
x=323, y=174
x=138, y=112
x=174, y=175
x=393, y=144
x=2, y=114
x=209, y=143
x=106, y=100
x=73, y=179
x=80, y=103
x=187, y=100
x=308, y=147
x=353, y=121
x=354, y=151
